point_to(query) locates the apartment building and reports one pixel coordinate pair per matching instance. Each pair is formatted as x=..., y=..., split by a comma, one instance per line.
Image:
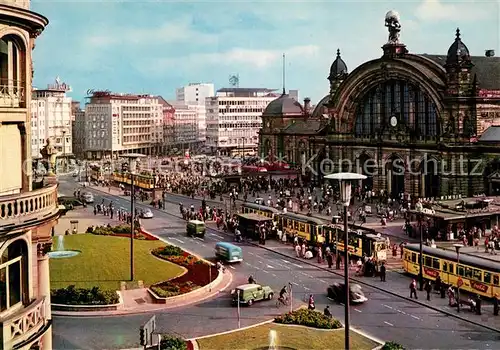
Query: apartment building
x=234, y=119
x=78, y=130
x=168, y=125
x=51, y=117
x=185, y=125
x=28, y=209
x=118, y=123
x=195, y=94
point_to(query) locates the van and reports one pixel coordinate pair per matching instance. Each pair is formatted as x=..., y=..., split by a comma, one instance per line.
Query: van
x=249, y=293
x=228, y=252
x=195, y=228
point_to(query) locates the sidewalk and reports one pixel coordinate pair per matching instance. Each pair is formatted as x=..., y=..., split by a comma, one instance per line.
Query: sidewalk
x=138, y=301
x=398, y=284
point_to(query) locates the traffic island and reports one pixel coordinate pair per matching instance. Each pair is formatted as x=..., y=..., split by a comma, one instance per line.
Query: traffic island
x=300, y=329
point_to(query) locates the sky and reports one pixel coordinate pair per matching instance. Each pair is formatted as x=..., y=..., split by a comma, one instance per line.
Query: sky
x=155, y=46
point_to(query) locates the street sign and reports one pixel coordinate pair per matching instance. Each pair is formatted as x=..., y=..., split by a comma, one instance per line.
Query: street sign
x=146, y=331
x=460, y=282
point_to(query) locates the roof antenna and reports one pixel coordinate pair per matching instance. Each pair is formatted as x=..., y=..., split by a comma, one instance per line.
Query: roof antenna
x=284, y=74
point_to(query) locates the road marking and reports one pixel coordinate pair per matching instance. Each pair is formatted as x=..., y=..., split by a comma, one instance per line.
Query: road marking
x=415, y=317
x=251, y=253
x=285, y=261
x=270, y=267
x=203, y=244
x=322, y=281
x=265, y=271
x=307, y=288
x=213, y=234
x=402, y=312
x=387, y=306
x=260, y=262
x=297, y=265
x=175, y=239
x=294, y=283
x=390, y=324
x=339, y=303
x=358, y=310
x=232, y=267
x=306, y=274
x=274, y=275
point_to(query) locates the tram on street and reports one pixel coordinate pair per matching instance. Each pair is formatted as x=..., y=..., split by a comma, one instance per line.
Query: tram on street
x=249, y=223
x=306, y=227
x=470, y=273
x=146, y=182
x=263, y=210
x=360, y=243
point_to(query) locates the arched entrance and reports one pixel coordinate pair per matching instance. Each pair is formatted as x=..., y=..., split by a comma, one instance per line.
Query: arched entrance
x=492, y=178
x=367, y=166
x=430, y=172
x=395, y=169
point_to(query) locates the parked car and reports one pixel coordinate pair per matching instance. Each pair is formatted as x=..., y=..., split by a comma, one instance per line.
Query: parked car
x=87, y=197
x=250, y=293
x=336, y=292
x=147, y=214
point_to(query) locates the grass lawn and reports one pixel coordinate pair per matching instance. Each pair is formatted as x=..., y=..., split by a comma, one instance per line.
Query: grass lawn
x=104, y=261
x=289, y=337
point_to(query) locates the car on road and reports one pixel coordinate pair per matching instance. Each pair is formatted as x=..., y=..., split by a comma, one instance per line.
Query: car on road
x=69, y=202
x=147, y=214
x=250, y=293
x=336, y=292
x=87, y=197
x=195, y=228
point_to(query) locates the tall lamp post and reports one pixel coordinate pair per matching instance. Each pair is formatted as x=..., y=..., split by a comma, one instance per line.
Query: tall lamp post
x=132, y=166
x=336, y=219
x=345, y=180
x=459, y=282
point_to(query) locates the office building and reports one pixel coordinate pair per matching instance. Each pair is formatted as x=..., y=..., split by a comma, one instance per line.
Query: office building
x=195, y=94
x=234, y=119
x=185, y=125
x=118, y=123
x=28, y=209
x=78, y=130
x=168, y=126
x=51, y=117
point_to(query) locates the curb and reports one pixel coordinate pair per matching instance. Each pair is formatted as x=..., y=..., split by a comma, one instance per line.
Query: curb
x=356, y=280
x=232, y=330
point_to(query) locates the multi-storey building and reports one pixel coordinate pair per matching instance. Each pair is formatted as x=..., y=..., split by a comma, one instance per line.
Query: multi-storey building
x=122, y=123
x=27, y=212
x=195, y=94
x=185, y=125
x=51, y=118
x=234, y=119
x=78, y=130
x=168, y=125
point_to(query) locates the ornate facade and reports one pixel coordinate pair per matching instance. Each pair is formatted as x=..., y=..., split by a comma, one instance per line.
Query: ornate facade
x=27, y=215
x=411, y=123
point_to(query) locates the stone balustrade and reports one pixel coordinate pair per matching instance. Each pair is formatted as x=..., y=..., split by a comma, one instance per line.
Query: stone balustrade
x=24, y=324
x=18, y=3
x=27, y=208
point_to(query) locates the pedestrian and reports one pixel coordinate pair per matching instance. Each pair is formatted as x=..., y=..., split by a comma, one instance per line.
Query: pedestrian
x=413, y=289
x=478, y=304
x=495, y=305
x=382, y=272
x=338, y=261
x=329, y=259
x=428, y=290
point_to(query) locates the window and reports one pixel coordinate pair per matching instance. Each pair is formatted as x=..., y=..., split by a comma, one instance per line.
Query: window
x=302, y=227
x=445, y=266
x=451, y=269
x=414, y=257
x=428, y=261
x=477, y=275
x=487, y=277
x=435, y=263
x=460, y=271
x=13, y=275
x=468, y=272
x=496, y=280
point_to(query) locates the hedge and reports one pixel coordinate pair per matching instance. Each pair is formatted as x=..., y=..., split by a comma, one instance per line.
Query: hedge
x=392, y=346
x=84, y=296
x=309, y=318
x=172, y=343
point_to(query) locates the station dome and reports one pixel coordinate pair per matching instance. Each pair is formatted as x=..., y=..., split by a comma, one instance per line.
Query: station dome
x=284, y=106
x=338, y=68
x=458, y=52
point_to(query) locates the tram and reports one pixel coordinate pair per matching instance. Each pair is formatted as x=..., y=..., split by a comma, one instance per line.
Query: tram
x=473, y=274
x=146, y=182
x=249, y=208
x=360, y=243
x=306, y=227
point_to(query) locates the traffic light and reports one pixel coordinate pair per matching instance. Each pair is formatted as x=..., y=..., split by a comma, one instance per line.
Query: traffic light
x=142, y=336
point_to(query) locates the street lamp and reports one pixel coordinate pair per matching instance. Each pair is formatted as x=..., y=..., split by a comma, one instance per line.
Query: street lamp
x=457, y=248
x=345, y=180
x=336, y=219
x=132, y=166
x=419, y=208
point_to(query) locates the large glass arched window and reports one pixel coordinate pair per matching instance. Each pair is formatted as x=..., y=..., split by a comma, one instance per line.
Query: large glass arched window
x=412, y=107
x=13, y=275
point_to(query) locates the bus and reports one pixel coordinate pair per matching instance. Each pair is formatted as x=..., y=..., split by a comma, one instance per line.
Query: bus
x=306, y=227
x=474, y=274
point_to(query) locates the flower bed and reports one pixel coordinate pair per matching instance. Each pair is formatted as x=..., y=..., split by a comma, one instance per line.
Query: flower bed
x=120, y=231
x=83, y=296
x=197, y=274
x=309, y=318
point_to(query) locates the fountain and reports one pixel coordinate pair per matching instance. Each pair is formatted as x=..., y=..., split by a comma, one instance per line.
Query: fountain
x=60, y=252
x=273, y=340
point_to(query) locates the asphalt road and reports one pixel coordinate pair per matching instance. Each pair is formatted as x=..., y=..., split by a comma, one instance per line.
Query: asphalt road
x=382, y=316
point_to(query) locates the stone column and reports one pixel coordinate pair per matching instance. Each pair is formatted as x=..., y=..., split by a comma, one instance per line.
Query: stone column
x=389, y=181
x=44, y=291
x=422, y=185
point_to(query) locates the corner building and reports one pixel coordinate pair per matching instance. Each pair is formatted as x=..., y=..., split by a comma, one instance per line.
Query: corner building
x=27, y=215
x=412, y=123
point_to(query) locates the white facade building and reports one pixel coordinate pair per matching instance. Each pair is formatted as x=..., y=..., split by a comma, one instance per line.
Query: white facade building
x=195, y=94
x=185, y=124
x=51, y=117
x=234, y=119
x=122, y=123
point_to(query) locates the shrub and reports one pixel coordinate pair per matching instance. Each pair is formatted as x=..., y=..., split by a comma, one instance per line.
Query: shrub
x=171, y=289
x=169, y=250
x=84, y=296
x=172, y=343
x=309, y=318
x=392, y=346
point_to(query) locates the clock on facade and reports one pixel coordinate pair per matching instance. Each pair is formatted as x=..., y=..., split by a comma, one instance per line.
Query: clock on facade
x=394, y=121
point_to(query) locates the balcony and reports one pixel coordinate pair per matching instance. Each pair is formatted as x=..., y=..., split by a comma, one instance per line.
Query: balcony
x=25, y=325
x=12, y=93
x=27, y=209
